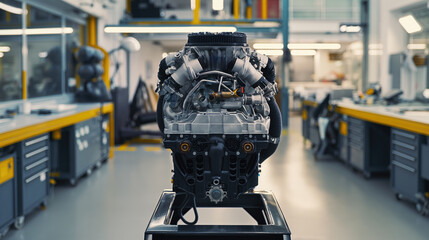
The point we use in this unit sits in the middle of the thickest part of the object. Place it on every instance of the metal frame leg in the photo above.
(261, 205)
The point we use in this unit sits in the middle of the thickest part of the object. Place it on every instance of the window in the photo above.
(10, 55)
(44, 55)
(52, 40)
(345, 10)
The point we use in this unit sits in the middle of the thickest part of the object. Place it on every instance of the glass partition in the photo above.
(344, 10)
(10, 53)
(44, 55)
(52, 40)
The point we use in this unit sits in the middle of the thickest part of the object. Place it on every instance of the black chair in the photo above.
(327, 123)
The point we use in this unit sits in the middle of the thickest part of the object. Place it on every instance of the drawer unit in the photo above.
(425, 158)
(33, 174)
(356, 141)
(35, 186)
(356, 123)
(405, 136)
(405, 180)
(404, 158)
(32, 145)
(368, 146)
(8, 192)
(78, 150)
(405, 163)
(410, 150)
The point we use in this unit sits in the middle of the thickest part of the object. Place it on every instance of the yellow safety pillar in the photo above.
(196, 19)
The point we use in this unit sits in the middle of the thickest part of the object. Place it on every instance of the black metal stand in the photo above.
(261, 205)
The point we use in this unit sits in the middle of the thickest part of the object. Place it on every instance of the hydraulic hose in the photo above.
(161, 72)
(269, 71)
(159, 116)
(275, 129)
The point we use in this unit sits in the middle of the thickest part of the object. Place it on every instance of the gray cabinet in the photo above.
(33, 174)
(307, 121)
(405, 164)
(8, 192)
(368, 146)
(356, 143)
(343, 141)
(310, 130)
(78, 151)
(425, 158)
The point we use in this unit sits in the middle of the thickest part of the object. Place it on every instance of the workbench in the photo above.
(24, 126)
(34, 138)
(400, 130)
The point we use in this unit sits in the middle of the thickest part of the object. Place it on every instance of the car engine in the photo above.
(217, 112)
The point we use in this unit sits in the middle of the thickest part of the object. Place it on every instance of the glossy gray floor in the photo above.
(320, 200)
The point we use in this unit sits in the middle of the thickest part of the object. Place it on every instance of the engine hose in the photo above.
(275, 129)
(269, 72)
(161, 72)
(159, 110)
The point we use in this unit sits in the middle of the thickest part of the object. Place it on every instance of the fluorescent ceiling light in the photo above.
(170, 29)
(217, 5)
(271, 52)
(333, 46)
(36, 31)
(416, 46)
(303, 52)
(410, 24)
(350, 28)
(4, 49)
(266, 24)
(11, 9)
(1, 54)
(268, 46)
(193, 4)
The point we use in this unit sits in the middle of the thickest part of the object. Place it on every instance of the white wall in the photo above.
(145, 63)
(324, 67)
(386, 31)
(110, 41)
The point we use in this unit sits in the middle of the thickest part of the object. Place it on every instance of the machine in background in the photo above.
(326, 122)
(90, 71)
(129, 117)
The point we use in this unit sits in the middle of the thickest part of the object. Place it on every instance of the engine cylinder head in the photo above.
(217, 39)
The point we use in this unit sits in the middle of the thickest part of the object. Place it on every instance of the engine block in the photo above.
(218, 115)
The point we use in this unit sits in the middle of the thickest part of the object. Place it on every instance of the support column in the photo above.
(284, 67)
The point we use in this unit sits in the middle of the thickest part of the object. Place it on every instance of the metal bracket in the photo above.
(261, 205)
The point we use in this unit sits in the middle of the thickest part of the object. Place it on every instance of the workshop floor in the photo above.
(320, 199)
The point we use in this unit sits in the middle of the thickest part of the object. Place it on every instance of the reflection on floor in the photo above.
(320, 200)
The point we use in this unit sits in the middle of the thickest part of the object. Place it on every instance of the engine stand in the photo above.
(261, 205)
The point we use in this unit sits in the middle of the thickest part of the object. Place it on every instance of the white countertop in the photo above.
(25, 120)
(392, 111)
